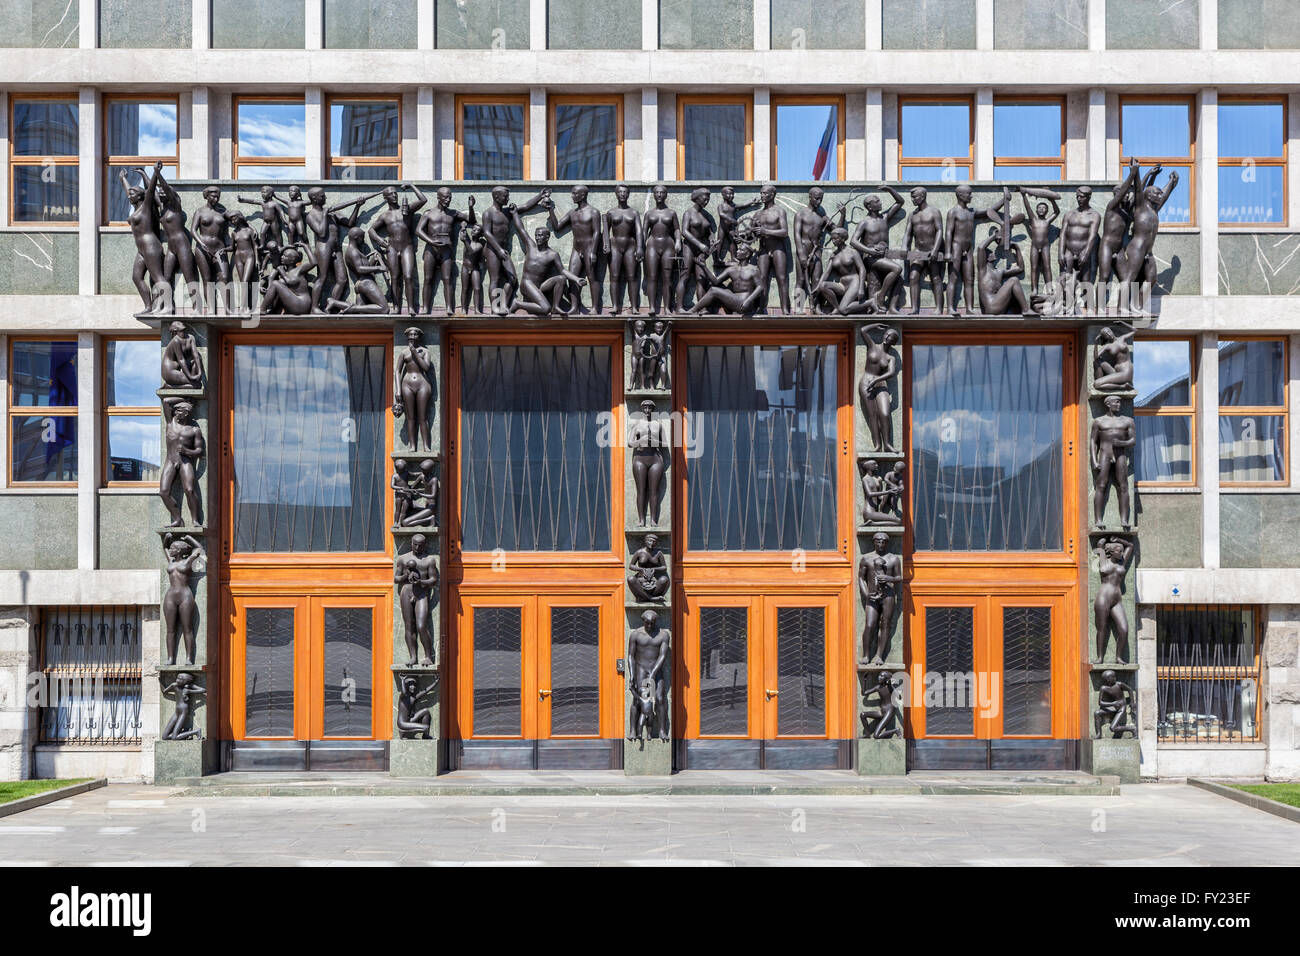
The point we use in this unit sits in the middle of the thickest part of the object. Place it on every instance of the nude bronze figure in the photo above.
(880, 722)
(184, 449)
(663, 246)
(879, 575)
(208, 224)
(1116, 707)
(180, 725)
(181, 365)
(585, 257)
(648, 571)
(1112, 361)
(543, 280)
(736, 289)
(648, 649)
(1109, 439)
(873, 389)
(624, 248)
(179, 610)
(393, 233)
(773, 232)
(811, 223)
(697, 241)
(148, 273)
(437, 228)
(871, 239)
(923, 247)
(416, 573)
(1113, 555)
(416, 401)
(651, 443)
(414, 718)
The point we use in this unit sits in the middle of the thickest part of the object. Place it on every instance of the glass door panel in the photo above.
(723, 675)
(797, 650)
(268, 671)
(949, 671)
(571, 693)
(497, 665)
(1026, 670)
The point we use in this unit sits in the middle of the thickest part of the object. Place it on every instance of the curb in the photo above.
(1274, 807)
(49, 796)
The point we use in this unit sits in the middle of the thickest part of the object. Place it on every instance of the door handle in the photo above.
(770, 693)
(542, 694)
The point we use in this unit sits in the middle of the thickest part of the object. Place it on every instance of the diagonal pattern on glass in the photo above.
(987, 447)
(348, 668)
(575, 671)
(801, 671)
(498, 664)
(1026, 671)
(950, 657)
(534, 475)
(765, 422)
(268, 672)
(724, 674)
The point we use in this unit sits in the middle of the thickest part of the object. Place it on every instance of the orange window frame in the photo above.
(15, 411)
(1282, 411)
(488, 99)
(236, 161)
(553, 102)
(1186, 165)
(1059, 159)
(110, 411)
(1273, 161)
(1177, 411)
(812, 100)
(113, 161)
(15, 160)
(343, 160)
(967, 163)
(715, 99)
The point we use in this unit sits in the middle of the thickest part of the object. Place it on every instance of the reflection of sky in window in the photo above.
(1026, 129)
(1250, 129)
(272, 129)
(1156, 129)
(134, 437)
(936, 130)
(1157, 367)
(799, 131)
(142, 129)
(133, 371)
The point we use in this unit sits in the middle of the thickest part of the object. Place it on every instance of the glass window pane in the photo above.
(309, 452)
(932, 174)
(1156, 129)
(586, 141)
(724, 671)
(1027, 173)
(764, 424)
(45, 128)
(1027, 671)
(44, 447)
(272, 129)
(342, 169)
(1164, 448)
(1252, 193)
(46, 193)
(1162, 372)
(1252, 448)
(935, 131)
(801, 671)
(364, 128)
(1208, 707)
(1178, 208)
(1207, 710)
(131, 377)
(807, 141)
(138, 128)
(493, 140)
(349, 669)
(715, 139)
(950, 653)
(1252, 372)
(575, 671)
(133, 448)
(275, 173)
(119, 207)
(534, 474)
(45, 373)
(498, 665)
(268, 672)
(986, 447)
(1026, 129)
(1252, 129)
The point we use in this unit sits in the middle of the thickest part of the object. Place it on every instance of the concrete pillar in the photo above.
(221, 119)
(984, 133)
(4, 419)
(424, 35)
(196, 140)
(855, 135)
(1096, 134)
(633, 141)
(444, 123)
(1209, 24)
(201, 24)
(1207, 187)
(762, 24)
(538, 134)
(315, 25)
(88, 439)
(4, 151)
(649, 24)
(889, 127)
(419, 135)
(90, 202)
(314, 114)
(19, 656)
(874, 24)
(537, 24)
(763, 133)
(1292, 147)
(873, 135)
(649, 171)
(88, 24)
(1207, 386)
(983, 24)
(1097, 24)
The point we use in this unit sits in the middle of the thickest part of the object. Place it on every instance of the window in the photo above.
(809, 140)
(43, 412)
(586, 137)
(492, 137)
(132, 436)
(1252, 412)
(1164, 375)
(137, 134)
(1207, 674)
(90, 664)
(44, 145)
(936, 139)
(715, 138)
(1159, 130)
(365, 137)
(1029, 139)
(1252, 161)
(270, 138)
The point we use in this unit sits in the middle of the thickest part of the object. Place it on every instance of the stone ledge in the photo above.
(1274, 807)
(49, 796)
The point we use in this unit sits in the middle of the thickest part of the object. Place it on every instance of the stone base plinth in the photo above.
(177, 759)
(881, 758)
(1107, 756)
(647, 758)
(414, 758)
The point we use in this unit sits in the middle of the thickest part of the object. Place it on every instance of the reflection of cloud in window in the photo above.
(270, 131)
(157, 136)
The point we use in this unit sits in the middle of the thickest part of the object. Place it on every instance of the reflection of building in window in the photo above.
(44, 176)
(90, 669)
(139, 134)
(365, 139)
(492, 138)
(1165, 416)
(715, 138)
(132, 446)
(587, 138)
(1207, 674)
(43, 412)
(1253, 411)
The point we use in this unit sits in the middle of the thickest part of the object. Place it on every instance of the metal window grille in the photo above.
(1208, 674)
(91, 670)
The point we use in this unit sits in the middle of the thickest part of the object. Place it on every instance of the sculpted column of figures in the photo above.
(584, 221)
(1109, 439)
(416, 393)
(650, 441)
(437, 228)
(879, 575)
(416, 574)
(873, 389)
(648, 648)
(624, 248)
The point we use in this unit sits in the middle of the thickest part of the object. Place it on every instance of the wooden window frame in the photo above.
(114, 162)
(553, 102)
(13, 411)
(1186, 165)
(251, 161)
(1058, 160)
(15, 160)
(1177, 411)
(1282, 411)
(492, 99)
(123, 411)
(1274, 161)
(968, 163)
(715, 99)
(1221, 672)
(343, 160)
(812, 100)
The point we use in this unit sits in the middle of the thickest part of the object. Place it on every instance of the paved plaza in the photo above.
(1155, 824)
